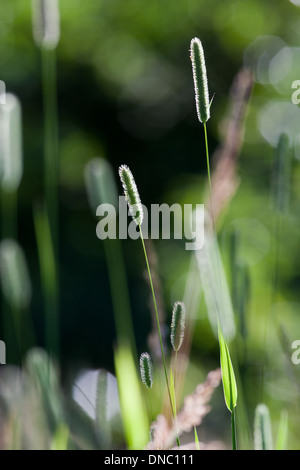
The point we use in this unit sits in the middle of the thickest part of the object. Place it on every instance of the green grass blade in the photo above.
(173, 401)
(48, 278)
(262, 429)
(61, 438)
(172, 393)
(282, 436)
(197, 445)
(134, 415)
(215, 287)
(102, 421)
(228, 377)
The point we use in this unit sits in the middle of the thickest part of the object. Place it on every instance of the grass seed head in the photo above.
(200, 80)
(14, 275)
(11, 144)
(177, 325)
(131, 194)
(146, 370)
(46, 23)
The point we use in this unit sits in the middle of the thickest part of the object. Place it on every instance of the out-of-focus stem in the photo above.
(51, 191)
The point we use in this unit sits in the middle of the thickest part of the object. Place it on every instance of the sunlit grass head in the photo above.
(177, 325)
(46, 23)
(131, 194)
(146, 370)
(200, 80)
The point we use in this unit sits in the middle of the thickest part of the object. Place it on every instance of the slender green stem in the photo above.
(233, 426)
(48, 277)
(51, 141)
(9, 203)
(119, 293)
(209, 180)
(150, 405)
(9, 230)
(158, 326)
(233, 430)
(175, 369)
(174, 400)
(157, 318)
(207, 160)
(51, 144)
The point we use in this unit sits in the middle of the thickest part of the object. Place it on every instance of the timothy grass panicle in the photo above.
(14, 275)
(46, 23)
(146, 370)
(177, 325)
(131, 194)
(11, 145)
(200, 80)
(136, 211)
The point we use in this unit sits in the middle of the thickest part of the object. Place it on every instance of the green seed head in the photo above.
(11, 145)
(14, 275)
(131, 194)
(200, 80)
(146, 370)
(46, 23)
(177, 325)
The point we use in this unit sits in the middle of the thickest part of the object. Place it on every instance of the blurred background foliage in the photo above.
(125, 93)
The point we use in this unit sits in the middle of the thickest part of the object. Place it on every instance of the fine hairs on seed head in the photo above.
(200, 80)
(131, 194)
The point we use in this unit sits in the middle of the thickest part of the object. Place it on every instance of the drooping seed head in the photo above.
(131, 194)
(200, 80)
(177, 325)
(146, 370)
(46, 23)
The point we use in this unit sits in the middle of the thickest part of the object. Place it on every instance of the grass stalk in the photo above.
(9, 211)
(157, 318)
(50, 140)
(207, 161)
(119, 293)
(48, 278)
(51, 184)
(159, 331)
(233, 430)
(150, 406)
(9, 230)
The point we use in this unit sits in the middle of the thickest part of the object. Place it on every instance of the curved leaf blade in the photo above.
(228, 377)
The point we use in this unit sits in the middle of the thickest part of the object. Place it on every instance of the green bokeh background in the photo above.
(125, 92)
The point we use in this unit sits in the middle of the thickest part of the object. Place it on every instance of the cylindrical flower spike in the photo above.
(131, 194)
(11, 146)
(14, 275)
(46, 23)
(146, 370)
(177, 325)
(200, 80)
